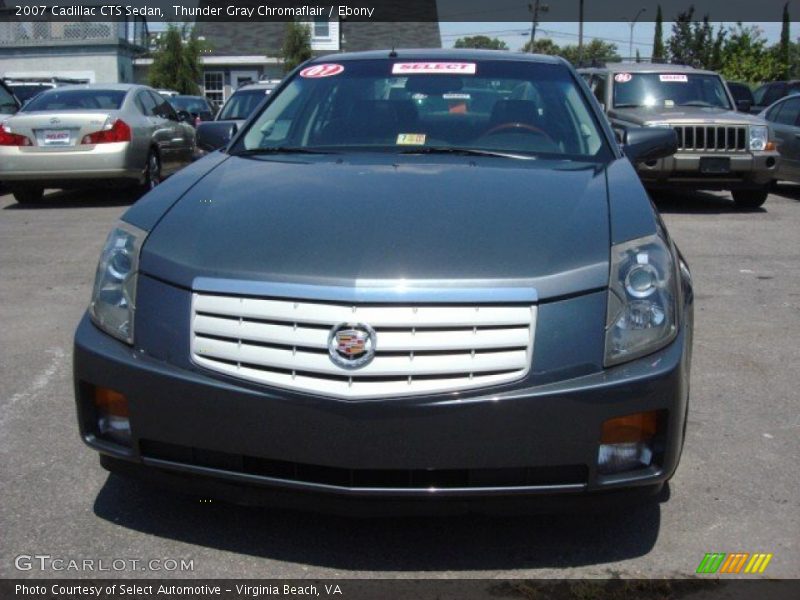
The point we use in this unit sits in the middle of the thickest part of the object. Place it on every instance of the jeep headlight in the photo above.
(641, 299)
(758, 137)
(114, 296)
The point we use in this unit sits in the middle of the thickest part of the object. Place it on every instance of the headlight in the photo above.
(641, 299)
(114, 295)
(758, 137)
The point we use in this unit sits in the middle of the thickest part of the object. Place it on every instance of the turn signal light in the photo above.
(119, 131)
(12, 139)
(639, 427)
(626, 443)
(112, 415)
(770, 146)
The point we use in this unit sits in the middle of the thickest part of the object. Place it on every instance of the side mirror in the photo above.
(215, 134)
(649, 143)
(744, 106)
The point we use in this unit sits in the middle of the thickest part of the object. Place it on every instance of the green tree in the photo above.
(296, 45)
(481, 41)
(696, 43)
(658, 38)
(784, 48)
(176, 61)
(745, 57)
(596, 50)
(542, 46)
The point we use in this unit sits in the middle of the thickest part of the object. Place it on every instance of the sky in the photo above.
(516, 34)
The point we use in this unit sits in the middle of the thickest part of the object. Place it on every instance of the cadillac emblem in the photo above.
(351, 345)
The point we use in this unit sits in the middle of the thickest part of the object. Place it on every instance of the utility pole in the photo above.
(535, 9)
(580, 31)
(633, 24)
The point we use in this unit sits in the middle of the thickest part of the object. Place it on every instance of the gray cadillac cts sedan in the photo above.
(419, 276)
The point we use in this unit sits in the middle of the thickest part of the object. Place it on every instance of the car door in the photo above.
(167, 135)
(159, 130)
(784, 121)
(182, 137)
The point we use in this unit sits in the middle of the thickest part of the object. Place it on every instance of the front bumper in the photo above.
(747, 170)
(527, 440)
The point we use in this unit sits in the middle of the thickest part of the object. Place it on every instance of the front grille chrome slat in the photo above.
(419, 349)
(711, 138)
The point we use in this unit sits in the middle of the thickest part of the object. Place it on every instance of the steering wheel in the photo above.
(519, 127)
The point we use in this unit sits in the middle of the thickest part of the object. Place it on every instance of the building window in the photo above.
(324, 34)
(214, 87)
(322, 29)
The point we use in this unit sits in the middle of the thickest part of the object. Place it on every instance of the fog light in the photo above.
(112, 415)
(626, 443)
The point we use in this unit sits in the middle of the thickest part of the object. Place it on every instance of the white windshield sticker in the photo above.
(673, 78)
(410, 139)
(623, 77)
(425, 68)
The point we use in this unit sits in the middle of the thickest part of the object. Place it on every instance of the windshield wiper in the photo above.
(463, 152)
(278, 150)
(628, 105)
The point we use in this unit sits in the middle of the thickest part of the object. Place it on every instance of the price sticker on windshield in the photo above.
(673, 78)
(623, 77)
(427, 68)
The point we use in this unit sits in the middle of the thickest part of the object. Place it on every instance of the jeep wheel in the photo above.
(750, 199)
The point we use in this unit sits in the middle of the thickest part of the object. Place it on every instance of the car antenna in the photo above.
(393, 52)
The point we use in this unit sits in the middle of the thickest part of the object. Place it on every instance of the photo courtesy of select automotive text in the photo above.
(399, 299)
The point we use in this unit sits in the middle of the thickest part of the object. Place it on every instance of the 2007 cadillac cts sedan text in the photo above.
(411, 275)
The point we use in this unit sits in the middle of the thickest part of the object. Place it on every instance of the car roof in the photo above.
(189, 96)
(440, 54)
(122, 87)
(645, 68)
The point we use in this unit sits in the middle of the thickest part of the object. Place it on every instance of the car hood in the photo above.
(685, 114)
(372, 220)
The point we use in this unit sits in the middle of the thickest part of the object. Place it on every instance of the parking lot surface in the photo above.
(737, 488)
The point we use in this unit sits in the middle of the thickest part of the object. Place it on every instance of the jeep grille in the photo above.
(718, 138)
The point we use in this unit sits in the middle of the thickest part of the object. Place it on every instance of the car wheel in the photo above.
(27, 195)
(152, 174)
(749, 199)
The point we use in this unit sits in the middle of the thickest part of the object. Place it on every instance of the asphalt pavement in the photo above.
(737, 488)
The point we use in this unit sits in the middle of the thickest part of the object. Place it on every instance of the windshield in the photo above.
(242, 104)
(665, 90)
(88, 99)
(514, 107)
(189, 104)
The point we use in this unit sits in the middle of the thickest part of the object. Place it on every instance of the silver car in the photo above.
(91, 134)
(783, 117)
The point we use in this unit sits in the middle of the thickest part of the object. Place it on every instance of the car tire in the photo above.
(27, 195)
(750, 199)
(152, 171)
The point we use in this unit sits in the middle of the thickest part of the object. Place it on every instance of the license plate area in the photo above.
(715, 164)
(56, 137)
